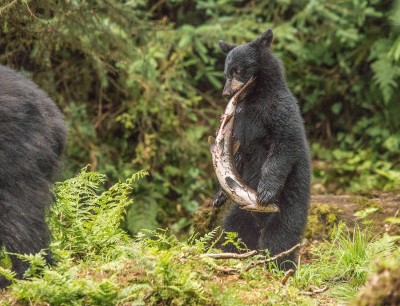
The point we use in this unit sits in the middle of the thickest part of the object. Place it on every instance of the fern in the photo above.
(394, 52)
(88, 223)
(386, 76)
(160, 238)
(232, 238)
(208, 241)
(7, 273)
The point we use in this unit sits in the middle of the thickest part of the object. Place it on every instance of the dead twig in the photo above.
(277, 256)
(227, 270)
(230, 255)
(316, 291)
(3, 8)
(288, 274)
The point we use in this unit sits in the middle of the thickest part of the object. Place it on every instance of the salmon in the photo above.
(222, 153)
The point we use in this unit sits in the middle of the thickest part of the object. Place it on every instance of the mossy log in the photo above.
(374, 209)
(325, 211)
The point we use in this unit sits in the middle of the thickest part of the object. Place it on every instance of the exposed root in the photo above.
(230, 255)
(227, 270)
(277, 256)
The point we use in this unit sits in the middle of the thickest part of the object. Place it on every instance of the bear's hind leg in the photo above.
(24, 233)
(243, 223)
(276, 240)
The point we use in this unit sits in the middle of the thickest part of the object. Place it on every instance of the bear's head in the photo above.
(243, 61)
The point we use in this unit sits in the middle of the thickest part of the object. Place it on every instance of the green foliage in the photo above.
(7, 273)
(365, 213)
(139, 83)
(367, 169)
(208, 241)
(83, 218)
(345, 261)
(232, 238)
(172, 282)
(99, 264)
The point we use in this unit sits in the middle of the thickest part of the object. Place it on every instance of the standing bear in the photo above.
(32, 139)
(273, 157)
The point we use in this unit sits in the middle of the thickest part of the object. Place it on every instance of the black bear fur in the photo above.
(273, 156)
(32, 140)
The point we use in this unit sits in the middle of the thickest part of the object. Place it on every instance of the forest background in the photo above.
(140, 85)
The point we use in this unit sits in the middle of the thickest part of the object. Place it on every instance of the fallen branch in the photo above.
(288, 274)
(227, 270)
(316, 291)
(277, 256)
(230, 255)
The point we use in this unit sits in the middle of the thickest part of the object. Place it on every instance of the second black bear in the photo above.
(273, 156)
(32, 139)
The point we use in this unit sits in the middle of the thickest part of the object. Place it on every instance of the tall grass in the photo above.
(344, 261)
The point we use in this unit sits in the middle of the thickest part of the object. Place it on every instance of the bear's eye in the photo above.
(237, 72)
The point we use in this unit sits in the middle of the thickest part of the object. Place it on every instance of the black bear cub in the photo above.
(273, 156)
(32, 139)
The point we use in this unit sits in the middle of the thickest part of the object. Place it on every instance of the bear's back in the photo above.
(32, 129)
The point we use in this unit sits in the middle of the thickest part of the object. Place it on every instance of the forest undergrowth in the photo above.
(98, 263)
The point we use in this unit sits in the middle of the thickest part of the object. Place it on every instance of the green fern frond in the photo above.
(235, 240)
(386, 76)
(208, 241)
(7, 273)
(394, 52)
(137, 176)
(86, 222)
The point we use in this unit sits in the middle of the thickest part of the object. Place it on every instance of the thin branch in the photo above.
(29, 9)
(230, 255)
(316, 291)
(156, 6)
(3, 8)
(288, 274)
(227, 270)
(277, 256)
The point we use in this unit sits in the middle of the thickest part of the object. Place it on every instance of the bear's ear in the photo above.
(225, 47)
(265, 39)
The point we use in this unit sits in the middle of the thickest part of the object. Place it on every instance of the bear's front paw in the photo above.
(264, 197)
(219, 199)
